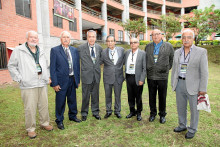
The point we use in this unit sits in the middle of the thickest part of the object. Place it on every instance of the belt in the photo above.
(130, 75)
(182, 78)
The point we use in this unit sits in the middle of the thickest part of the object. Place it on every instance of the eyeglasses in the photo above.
(186, 37)
(110, 41)
(156, 34)
(133, 42)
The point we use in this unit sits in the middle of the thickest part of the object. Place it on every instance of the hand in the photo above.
(78, 85)
(57, 88)
(201, 93)
(141, 83)
(50, 81)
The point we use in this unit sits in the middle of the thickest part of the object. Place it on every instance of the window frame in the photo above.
(120, 35)
(57, 17)
(4, 58)
(110, 30)
(23, 15)
(74, 25)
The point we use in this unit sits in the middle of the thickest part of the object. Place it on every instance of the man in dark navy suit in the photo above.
(65, 76)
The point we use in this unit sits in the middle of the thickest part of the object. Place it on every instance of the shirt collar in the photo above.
(65, 47)
(91, 46)
(159, 44)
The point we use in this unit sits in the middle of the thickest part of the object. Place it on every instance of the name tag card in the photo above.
(155, 58)
(112, 60)
(39, 69)
(183, 68)
(131, 67)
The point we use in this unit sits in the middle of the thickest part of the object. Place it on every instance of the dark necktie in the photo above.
(92, 53)
(69, 60)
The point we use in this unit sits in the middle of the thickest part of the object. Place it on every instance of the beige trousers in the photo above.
(34, 98)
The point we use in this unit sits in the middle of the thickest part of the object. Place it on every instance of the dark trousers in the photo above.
(134, 94)
(161, 87)
(70, 93)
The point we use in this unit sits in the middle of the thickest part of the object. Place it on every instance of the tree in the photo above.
(170, 25)
(203, 22)
(134, 27)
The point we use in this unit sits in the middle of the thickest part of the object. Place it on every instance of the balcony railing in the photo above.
(113, 19)
(91, 12)
(135, 7)
(154, 12)
(175, 1)
(118, 1)
(177, 15)
(151, 27)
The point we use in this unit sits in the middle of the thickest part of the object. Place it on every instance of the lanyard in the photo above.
(112, 54)
(132, 56)
(35, 55)
(186, 56)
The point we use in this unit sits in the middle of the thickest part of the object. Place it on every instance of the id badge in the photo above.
(39, 69)
(131, 67)
(112, 60)
(93, 60)
(155, 58)
(183, 68)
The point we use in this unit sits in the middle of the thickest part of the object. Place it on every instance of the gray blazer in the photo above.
(88, 69)
(140, 66)
(197, 70)
(113, 72)
(159, 70)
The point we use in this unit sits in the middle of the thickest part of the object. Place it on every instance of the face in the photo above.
(134, 43)
(32, 39)
(111, 42)
(91, 38)
(187, 39)
(156, 36)
(65, 39)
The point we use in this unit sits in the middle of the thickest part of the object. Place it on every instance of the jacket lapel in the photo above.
(63, 53)
(73, 55)
(192, 55)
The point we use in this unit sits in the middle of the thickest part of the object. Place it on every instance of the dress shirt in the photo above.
(90, 49)
(72, 73)
(130, 62)
(113, 54)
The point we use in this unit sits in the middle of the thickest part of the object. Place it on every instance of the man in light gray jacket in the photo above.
(189, 79)
(28, 66)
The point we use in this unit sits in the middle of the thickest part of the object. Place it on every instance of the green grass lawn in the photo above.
(112, 131)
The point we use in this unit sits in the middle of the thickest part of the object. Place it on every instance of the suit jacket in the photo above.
(160, 69)
(140, 65)
(113, 72)
(59, 66)
(88, 68)
(197, 70)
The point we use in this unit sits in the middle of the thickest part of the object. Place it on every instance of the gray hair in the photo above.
(68, 33)
(134, 38)
(91, 31)
(188, 30)
(31, 31)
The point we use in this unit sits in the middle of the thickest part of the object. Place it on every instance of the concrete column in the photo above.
(125, 16)
(182, 13)
(104, 17)
(164, 7)
(144, 5)
(79, 7)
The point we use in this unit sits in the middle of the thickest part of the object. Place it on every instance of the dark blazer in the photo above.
(113, 72)
(88, 68)
(59, 67)
(159, 70)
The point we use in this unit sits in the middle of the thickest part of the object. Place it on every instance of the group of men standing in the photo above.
(29, 67)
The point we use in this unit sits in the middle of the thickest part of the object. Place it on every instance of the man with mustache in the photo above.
(28, 66)
(189, 80)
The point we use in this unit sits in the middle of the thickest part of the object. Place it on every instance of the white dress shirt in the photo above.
(131, 61)
(113, 55)
(68, 49)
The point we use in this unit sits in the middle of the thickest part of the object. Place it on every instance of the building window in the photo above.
(23, 7)
(3, 55)
(141, 36)
(57, 21)
(112, 32)
(120, 35)
(133, 35)
(73, 25)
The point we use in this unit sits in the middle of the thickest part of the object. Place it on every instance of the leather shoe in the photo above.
(48, 128)
(32, 135)
(60, 126)
(76, 120)
(189, 135)
(178, 129)
(130, 115)
(97, 117)
(84, 118)
(107, 115)
(139, 118)
(162, 119)
(118, 115)
(151, 118)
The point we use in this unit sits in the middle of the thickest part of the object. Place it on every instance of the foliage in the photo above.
(203, 22)
(144, 42)
(134, 27)
(175, 43)
(169, 24)
(209, 42)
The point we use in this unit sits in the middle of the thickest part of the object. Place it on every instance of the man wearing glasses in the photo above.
(135, 68)
(159, 57)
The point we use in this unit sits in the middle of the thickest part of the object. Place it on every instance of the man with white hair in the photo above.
(65, 76)
(189, 79)
(28, 66)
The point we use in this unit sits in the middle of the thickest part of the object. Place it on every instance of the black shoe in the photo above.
(189, 135)
(139, 118)
(84, 118)
(60, 126)
(76, 120)
(97, 117)
(178, 129)
(107, 115)
(162, 119)
(130, 115)
(151, 118)
(118, 115)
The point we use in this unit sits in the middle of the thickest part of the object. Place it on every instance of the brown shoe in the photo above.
(32, 135)
(48, 128)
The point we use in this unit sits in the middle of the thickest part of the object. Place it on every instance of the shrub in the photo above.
(216, 42)
(144, 42)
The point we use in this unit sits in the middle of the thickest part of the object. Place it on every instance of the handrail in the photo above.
(154, 12)
(91, 12)
(135, 7)
(113, 19)
(175, 1)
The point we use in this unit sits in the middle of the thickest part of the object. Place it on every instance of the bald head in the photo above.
(32, 38)
(156, 36)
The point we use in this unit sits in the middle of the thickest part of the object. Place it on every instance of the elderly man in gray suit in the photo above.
(90, 55)
(189, 79)
(135, 68)
(113, 77)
